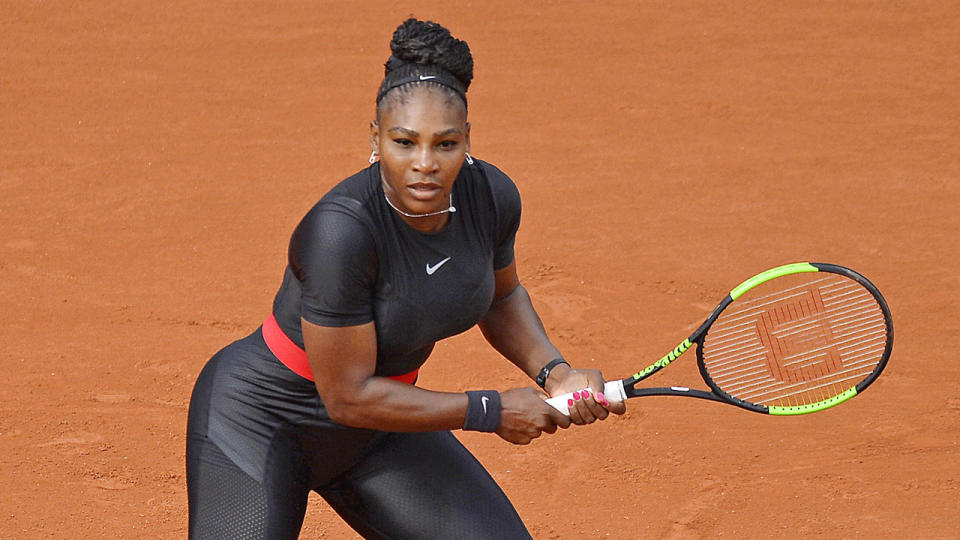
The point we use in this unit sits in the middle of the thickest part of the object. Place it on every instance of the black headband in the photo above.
(418, 75)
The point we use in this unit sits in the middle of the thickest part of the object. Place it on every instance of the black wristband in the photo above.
(483, 411)
(545, 372)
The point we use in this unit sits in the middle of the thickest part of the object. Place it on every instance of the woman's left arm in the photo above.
(514, 329)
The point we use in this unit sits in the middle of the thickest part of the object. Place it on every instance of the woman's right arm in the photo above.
(343, 360)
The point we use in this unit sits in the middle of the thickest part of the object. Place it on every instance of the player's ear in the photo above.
(374, 136)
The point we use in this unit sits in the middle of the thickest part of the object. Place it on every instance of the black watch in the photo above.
(545, 372)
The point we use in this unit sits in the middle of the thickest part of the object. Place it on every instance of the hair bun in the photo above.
(428, 43)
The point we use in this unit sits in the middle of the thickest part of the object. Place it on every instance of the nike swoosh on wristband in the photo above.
(432, 269)
(483, 401)
(427, 77)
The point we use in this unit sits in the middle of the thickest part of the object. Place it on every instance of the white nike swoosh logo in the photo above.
(426, 77)
(432, 269)
(483, 401)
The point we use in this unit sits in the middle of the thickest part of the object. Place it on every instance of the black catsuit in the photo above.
(258, 436)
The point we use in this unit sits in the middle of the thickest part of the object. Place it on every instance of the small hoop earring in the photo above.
(373, 157)
(469, 159)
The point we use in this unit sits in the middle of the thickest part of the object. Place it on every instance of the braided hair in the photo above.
(425, 54)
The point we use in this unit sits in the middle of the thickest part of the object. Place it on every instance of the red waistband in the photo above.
(295, 358)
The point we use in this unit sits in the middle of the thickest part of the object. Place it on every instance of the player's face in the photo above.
(422, 141)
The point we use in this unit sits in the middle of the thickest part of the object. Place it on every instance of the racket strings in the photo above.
(796, 340)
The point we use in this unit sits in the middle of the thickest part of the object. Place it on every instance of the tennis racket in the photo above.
(796, 339)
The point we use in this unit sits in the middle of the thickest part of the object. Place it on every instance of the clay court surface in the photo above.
(154, 161)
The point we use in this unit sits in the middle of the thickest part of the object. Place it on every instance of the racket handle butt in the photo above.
(612, 390)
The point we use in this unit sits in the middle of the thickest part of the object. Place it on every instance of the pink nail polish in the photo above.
(584, 394)
(576, 396)
(569, 403)
(601, 398)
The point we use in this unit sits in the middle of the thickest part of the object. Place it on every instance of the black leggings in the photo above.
(412, 485)
(385, 485)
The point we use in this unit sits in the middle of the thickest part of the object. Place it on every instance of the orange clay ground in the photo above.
(154, 161)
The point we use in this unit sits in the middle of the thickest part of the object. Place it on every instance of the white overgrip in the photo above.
(612, 390)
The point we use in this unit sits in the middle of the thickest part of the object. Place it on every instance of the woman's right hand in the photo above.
(524, 416)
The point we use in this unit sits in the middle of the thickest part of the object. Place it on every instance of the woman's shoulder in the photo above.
(503, 189)
(351, 196)
(346, 208)
(500, 184)
(489, 171)
(354, 193)
(334, 243)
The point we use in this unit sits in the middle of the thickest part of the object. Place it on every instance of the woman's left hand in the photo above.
(589, 403)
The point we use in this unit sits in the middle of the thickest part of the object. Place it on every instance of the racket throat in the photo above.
(663, 362)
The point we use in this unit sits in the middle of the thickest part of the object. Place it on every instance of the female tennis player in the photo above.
(415, 248)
